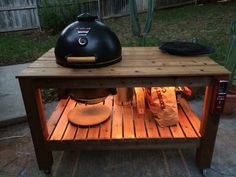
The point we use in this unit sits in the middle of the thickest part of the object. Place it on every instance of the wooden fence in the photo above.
(23, 14)
(18, 15)
(116, 8)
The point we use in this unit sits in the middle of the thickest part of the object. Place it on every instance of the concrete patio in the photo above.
(17, 158)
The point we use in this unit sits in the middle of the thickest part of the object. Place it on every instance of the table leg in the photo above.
(37, 123)
(208, 130)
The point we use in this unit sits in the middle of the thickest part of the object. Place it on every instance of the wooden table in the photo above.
(140, 66)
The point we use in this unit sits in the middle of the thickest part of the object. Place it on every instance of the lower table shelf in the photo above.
(125, 127)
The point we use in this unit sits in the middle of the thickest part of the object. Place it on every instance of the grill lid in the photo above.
(87, 43)
(186, 48)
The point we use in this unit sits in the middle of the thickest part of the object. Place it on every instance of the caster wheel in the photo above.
(204, 172)
(47, 172)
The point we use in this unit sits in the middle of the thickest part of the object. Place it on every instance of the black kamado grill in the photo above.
(87, 43)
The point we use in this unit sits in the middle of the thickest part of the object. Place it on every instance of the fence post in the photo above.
(37, 15)
(99, 11)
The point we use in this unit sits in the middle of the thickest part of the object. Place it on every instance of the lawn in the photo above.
(209, 23)
(21, 47)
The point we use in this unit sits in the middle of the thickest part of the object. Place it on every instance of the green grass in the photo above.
(21, 47)
(209, 23)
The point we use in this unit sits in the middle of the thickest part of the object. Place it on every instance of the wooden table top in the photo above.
(136, 62)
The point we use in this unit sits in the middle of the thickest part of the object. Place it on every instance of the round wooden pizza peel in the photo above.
(89, 115)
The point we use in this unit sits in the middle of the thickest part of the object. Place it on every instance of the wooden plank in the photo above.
(186, 126)
(168, 71)
(128, 122)
(124, 145)
(49, 54)
(46, 58)
(52, 121)
(177, 131)
(145, 62)
(71, 129)
(105, 129)
(107, 82)
(127, 62)
(140, 127)
(18, 8)
(139, 49)
(81, 133)
(117, 122)
(93, 132)
(18, 15)
(151, 125)
(70, 132)
(192, 117)
(62, 124)
(165, 132)
(164, 56)
(148, 58)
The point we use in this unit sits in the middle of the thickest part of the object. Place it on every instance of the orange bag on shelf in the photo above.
(163, 105)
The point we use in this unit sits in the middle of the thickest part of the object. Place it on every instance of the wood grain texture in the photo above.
(128, 61)
(105, 128)
(37, 123)
(128, 124)
(165, 132)
(117, 122)
(141, 66)
(208, 129)
(152, 130)
(125, 124)
(186, 126)
(62, 124)
(18, 15)
(56, 115)
(177, 131)
(140, 125)
(107, 82)
(136, 62)
(195, 122)
(93, 131)
(81, 133)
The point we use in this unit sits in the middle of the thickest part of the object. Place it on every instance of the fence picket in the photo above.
(23, 14)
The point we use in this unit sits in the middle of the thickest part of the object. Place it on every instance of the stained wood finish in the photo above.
(208, 128)
(189, 113)
(117, 82)
(137, 62)
(125, 124)
(145, 62)
(105, 128)
(37, 122)
(117, 122)
(152, 131)
(141, 66)
(56, 115)
(63, 123)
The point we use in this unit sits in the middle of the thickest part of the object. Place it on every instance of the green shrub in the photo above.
(55, 15)
(230, 62)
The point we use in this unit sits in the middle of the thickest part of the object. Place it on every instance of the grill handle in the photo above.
(89, 59)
